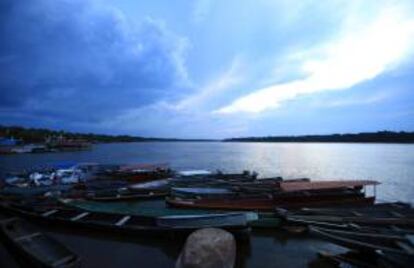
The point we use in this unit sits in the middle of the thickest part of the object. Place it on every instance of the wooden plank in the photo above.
(62, 261)
(50, 212)
(8, 220)
(123, 221)
(26, 236)
(395, 228)
(406, 247)
(410, 238)
(355, 226)
(355, 213)
(80, 216)
(396, 214)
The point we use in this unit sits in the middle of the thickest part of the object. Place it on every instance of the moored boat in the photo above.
(38, 249)
(130, 224)
(289, 195)
(370, 242)
(265, 220)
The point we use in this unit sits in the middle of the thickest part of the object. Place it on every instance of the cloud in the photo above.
(351, 101)
(218, 86)
(82, 61)
(362, 51)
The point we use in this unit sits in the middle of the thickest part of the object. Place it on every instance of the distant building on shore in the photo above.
(63, 143)
(7, 144)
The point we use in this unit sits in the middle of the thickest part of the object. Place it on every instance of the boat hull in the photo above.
(269, 204)
(34, 248)
(108, 222)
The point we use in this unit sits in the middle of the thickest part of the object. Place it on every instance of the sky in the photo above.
(207, 69)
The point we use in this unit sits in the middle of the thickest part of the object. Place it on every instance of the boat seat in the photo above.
(395, 228)
(123, 220)
(61, 261)
(24, 237)
(355, 226)
(50, 212)
(8, 220)
(80, 216)
(406, 247)
(396, 214)
(410, 238)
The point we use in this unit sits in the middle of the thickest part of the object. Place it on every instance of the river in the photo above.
(390, 164)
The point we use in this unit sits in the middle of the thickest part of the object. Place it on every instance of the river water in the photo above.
(390, 164)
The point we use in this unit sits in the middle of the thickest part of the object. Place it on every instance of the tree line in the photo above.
(367, 137)
(39, 135)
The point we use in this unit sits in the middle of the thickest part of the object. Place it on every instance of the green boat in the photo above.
(157, 208)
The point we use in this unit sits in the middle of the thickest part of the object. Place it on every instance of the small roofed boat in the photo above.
(37, 249)
(128, 224)
(369, 242)
(290, 195)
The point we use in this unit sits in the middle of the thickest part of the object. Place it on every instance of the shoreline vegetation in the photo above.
(38, 135)
(367, 137)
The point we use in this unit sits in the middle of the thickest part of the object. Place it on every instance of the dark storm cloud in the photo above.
(73, 60)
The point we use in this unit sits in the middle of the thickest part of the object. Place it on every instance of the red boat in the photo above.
(290, 195)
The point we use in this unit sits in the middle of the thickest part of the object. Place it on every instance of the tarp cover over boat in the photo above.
(195, 172)
(322, 185)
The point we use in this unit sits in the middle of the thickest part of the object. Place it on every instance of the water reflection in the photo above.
(391, 164)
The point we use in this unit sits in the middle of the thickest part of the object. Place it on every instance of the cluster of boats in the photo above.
(383, 232)
(85, 195)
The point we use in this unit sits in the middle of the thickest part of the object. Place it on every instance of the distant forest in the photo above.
(38, 135)
(369, 137)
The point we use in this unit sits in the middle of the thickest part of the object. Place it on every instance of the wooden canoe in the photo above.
(385, 229)
(381, 210)
(130, 224)
(362, 220)
(38, 249)
(370, 242)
